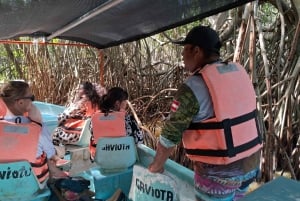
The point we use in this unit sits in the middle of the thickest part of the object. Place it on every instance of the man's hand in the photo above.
(162, 154)
(156, 167)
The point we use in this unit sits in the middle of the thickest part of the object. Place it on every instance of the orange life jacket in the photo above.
(106, 125)
(75, 125)
(19, 141)
(232, 134)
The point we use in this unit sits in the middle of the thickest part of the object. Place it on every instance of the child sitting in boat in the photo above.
(116, 101)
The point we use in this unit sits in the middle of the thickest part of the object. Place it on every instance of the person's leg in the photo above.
(214, 188)
(240, 193)
(247, 180)
(54, 171)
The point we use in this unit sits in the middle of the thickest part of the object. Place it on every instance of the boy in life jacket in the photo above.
(16, 99)
(214, 115)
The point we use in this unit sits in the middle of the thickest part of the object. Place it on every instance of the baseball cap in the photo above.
(204, 37)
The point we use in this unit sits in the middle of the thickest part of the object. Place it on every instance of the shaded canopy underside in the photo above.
(102, 23)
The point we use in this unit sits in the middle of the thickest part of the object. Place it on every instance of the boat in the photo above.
(95, 24)
(104, 184)
(176, 178)
(100, 24)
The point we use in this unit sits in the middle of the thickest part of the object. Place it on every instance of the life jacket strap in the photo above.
(44, 173)
(226, 124)
(45, 170)
(37, 165)
(38, 123)
(224, 153)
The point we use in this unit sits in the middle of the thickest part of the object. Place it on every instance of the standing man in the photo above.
(214, 114)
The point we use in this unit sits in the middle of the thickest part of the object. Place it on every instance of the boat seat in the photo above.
(84, 139)
(115, 154)
(115, 158)
(79, 154)
(18, 182)
(149, 186)
(115, 151)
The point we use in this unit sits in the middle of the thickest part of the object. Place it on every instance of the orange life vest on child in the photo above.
(106, 125)
(19, 141)
(40, 168)
(75, 125)
(233, 133)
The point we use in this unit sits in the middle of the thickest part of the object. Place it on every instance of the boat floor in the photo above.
(104, 184)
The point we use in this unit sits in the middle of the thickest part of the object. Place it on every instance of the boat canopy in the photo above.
(102, 23)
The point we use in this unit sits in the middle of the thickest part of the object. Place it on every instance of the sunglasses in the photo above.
(32, 98)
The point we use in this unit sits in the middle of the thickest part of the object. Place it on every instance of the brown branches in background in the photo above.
(263, 36)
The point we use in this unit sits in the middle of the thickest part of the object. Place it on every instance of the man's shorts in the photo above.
(211, 188)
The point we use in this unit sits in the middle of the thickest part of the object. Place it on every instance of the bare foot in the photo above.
(55, 172)
(61, 162)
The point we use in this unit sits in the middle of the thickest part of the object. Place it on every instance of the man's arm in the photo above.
(184, 107)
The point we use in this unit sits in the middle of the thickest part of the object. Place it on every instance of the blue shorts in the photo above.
(211, 188)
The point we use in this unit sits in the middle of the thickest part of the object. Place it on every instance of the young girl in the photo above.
(116, 100)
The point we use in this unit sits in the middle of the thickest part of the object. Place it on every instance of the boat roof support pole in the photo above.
(101, 65)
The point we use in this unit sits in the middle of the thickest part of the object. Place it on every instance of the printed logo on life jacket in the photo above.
(156, 193)
(107, 118)
(16, 129)
(174, 106)
(227, 68)
(10, 173)
(115, 147)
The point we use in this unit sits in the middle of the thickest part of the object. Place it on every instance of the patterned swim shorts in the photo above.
(211, 188)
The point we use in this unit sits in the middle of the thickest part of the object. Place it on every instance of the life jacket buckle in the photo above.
(227, 123)
(18, 120)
